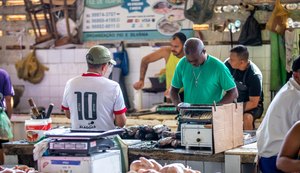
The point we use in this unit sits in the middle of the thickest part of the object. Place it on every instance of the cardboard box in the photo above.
(105, 162)
(228, 127)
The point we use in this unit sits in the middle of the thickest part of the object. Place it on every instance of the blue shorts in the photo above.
(268, 165)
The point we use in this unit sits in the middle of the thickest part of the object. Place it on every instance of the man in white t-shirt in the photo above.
(282, 114)
(91, 100)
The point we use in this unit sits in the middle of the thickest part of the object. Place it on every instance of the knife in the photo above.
(34, 109)
(49, 111)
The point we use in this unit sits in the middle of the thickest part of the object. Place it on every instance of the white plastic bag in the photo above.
(61, 26)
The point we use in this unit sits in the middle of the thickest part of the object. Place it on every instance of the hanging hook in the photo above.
(119, 47)
(122, 44)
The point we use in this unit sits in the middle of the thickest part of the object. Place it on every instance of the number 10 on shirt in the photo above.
(84, 101)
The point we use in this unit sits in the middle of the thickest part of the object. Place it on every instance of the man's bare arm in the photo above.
(67, 113)
(252, 103)
(9, 105)
(287, 157)
(229, 96)
(174, 94)
(120, 120)
(163, 52)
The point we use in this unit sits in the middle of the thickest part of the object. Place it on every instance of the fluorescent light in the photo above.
(40, 16)
(43, 31)
(200, 27)
(19, 2)
(16, 17)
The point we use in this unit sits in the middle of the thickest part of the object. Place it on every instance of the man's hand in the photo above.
(138, 85)
(67, 113)
(167, 93)
(174, 94)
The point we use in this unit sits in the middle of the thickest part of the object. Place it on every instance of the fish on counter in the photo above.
(18, 169)
(145, 132)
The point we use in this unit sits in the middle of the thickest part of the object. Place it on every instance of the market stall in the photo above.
(243, 155)
(151, 148)
(55, 36)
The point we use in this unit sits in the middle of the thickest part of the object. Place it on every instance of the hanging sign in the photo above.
(134, 19)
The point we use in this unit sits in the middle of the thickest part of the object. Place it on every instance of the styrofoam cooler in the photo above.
(35, 129)
(105, 162)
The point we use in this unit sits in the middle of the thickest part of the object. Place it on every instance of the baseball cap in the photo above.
(99, 55)
(296, 64)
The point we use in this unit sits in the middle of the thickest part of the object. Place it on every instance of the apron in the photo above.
(242, 87)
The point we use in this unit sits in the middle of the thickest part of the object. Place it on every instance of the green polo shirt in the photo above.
(213, 79)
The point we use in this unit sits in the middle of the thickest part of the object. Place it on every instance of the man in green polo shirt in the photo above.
(205, 79)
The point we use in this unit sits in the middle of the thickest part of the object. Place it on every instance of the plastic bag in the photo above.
(122, 62)
(251, 33)
(121, 57)
(5, 126)
(200, 11)
(62, 28)
(277, 21)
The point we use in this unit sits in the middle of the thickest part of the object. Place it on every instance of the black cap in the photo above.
(296, 64)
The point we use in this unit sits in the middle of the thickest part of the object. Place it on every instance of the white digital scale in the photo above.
(81, 151)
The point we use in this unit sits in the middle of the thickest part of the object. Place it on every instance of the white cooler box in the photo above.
(106, 162)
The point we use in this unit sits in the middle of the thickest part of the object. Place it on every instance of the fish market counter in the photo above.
(229, 161)
(147, 149)
(23, 150)
(222, 162)
(18, 122)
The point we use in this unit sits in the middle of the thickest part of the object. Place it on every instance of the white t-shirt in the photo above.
(282, 114)
(93, 101)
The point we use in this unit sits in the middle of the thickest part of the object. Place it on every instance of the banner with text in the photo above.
(134, 19)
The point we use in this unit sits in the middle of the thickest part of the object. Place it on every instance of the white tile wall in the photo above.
(62, 66)
(66, 63)
(43, 55)
(135, 57)
(54, 56)
(67, 55)
(79, 55)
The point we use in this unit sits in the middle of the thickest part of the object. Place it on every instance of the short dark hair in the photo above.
(193, 45)
(181, 36)
(241, 51)
(296, 64)
(94, 66)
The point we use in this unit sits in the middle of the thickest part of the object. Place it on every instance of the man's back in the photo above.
(282, 113)
(92, 100)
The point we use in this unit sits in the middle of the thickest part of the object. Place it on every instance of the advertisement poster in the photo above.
(134, 19)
